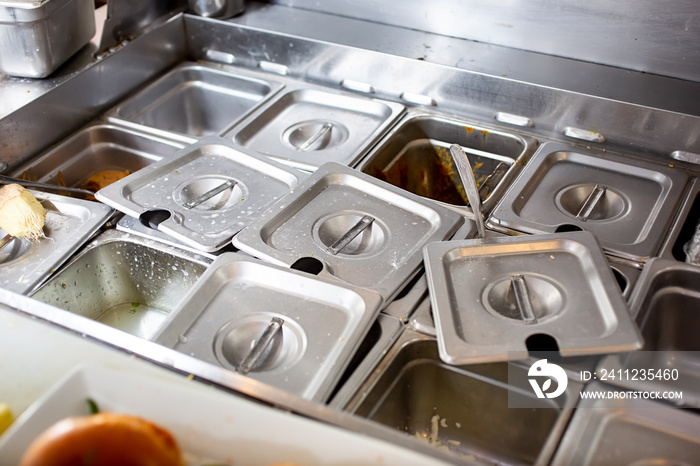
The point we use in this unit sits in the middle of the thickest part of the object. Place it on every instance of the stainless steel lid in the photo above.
(282, 327)
(70, 222)
(204, 194)
(308, 126)
(627, 204)
(490, 296)
(358, 229)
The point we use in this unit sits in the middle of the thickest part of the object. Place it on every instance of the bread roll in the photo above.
(104, 439)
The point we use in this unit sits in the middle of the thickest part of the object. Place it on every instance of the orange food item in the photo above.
(104, 178)
(104, 439)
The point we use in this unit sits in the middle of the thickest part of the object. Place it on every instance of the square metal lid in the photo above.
(173, 188)
(360, 230)
(489, 296)
(627, 204)
(319, 323)
(307, 126)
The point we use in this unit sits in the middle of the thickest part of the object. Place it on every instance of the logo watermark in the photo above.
(548, 380)
(550, 372)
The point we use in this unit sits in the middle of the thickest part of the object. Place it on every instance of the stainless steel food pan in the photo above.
(630, 432)
(192, 101)
(36, 37)
(125, 282)
(94, 149)
(415, 156)
(666, 303)
(462, 408)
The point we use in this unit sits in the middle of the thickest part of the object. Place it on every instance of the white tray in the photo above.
(209, 425)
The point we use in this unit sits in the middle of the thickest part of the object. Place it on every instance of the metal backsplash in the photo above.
(654, 37)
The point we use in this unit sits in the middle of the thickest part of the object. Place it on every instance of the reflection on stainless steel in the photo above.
(221, 9)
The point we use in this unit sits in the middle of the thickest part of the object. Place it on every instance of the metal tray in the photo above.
(631, 432)
(464, 409)
(94, 149)
(415, 156)
(666, 304)
(308, 126)
(490, 296)
(39, 36)
(159, 194)
(124, 281)
(70, 222)
(316, 221)
(224, 318)
(193, 101)
(627, 204)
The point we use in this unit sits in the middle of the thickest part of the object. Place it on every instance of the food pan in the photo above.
(415, 156)
(356, 228)
(123, 281)
(69, 223)
(193, 101)
(666, 304)
(627, 204)
(498, 296)
(204, 194)
(36, 37)
(308, 126)
(631, 432)
(95, 149)
(282, 327)
(461, 408)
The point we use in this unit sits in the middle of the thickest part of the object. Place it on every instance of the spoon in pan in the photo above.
(466, 175)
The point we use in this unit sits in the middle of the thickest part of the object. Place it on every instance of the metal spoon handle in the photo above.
(467, 176)
(45, 186)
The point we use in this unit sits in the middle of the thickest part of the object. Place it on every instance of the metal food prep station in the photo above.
(296, 266)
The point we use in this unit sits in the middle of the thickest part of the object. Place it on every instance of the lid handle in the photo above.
(351, 234)
(318, 135)
(257, 352)
(591, 202)
(522, 298)
(209, 194)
